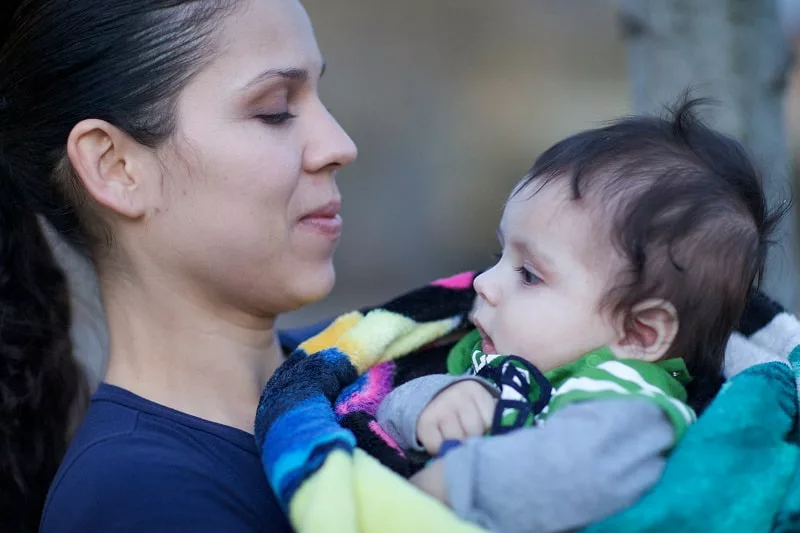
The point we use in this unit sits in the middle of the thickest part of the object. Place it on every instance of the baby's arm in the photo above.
(589, 461)
(400, 412)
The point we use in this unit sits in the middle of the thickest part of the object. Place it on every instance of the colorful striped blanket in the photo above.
(333, 468)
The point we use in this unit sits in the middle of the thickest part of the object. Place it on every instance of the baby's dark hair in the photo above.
(686, 210)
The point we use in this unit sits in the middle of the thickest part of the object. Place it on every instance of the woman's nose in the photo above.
(329, 146)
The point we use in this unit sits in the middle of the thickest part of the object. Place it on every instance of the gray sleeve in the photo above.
(587, 462)
(400, 410)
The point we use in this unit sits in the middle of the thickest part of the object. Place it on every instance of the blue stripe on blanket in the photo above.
(298, 442)
(301, 377)
(296, 427)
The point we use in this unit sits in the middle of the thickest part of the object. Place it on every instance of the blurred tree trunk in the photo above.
(736, 52)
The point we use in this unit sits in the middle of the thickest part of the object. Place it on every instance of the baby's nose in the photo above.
(485, 289)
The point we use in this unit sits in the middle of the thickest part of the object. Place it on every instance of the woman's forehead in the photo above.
(263, 36)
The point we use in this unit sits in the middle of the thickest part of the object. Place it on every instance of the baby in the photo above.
(628, 253)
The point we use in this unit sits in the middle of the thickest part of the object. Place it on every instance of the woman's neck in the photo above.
(178, 353)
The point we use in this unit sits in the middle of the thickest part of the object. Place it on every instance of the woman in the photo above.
(183, 145)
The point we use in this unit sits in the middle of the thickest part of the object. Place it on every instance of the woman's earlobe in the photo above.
(650, 332)
(105, 160)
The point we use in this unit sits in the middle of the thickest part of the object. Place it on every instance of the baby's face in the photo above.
(541, 301)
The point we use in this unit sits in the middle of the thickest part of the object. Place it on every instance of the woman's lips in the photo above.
(328, 226)
(325, 220)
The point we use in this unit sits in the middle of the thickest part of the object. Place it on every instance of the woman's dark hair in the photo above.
(63, 61)
(685, 208)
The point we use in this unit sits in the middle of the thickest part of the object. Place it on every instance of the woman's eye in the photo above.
(497, 256)
(528, 277)
(276, 119)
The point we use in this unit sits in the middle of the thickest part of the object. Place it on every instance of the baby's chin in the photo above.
(542, 366)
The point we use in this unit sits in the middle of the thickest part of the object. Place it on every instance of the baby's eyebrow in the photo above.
(541, 261)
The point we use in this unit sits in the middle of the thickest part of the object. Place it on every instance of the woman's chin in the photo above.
(314, 286)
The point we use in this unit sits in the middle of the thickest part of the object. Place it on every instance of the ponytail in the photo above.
(61, 62)
(42, 386)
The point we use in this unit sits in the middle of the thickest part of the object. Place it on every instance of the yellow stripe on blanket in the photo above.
(330, 336)
(366, 342)
(420, 336)
(324, 502)
(358, 495)
(377, 337)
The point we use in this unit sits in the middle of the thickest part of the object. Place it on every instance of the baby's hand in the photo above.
(459, 411)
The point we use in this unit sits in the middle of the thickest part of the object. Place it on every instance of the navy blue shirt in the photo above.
(137, 466)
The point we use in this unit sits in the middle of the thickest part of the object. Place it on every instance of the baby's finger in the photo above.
(471, 420)
(485, 406)
(450, 428)
(430, 438)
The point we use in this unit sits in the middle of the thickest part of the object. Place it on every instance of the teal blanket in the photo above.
(735, 471)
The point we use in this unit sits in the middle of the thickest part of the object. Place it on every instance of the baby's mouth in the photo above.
(487, 346)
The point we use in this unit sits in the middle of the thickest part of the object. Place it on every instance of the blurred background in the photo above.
(450, 101)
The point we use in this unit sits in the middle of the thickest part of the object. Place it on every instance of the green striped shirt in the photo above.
(595, 376)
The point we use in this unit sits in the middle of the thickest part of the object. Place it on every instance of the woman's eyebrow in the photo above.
(294, 74)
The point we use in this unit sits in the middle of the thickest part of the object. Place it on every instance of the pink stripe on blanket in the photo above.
(378, 430)
(376, 385)
(457, 282)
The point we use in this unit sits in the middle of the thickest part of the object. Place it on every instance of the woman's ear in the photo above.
(650, 332)
(117, 171)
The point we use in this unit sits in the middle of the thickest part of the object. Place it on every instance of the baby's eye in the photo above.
(528, 277)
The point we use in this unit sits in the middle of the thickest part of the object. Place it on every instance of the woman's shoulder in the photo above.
(138, 466)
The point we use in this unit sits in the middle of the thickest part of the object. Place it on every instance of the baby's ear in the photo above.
(650, 332)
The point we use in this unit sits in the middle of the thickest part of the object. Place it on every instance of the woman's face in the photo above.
(251, 203)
